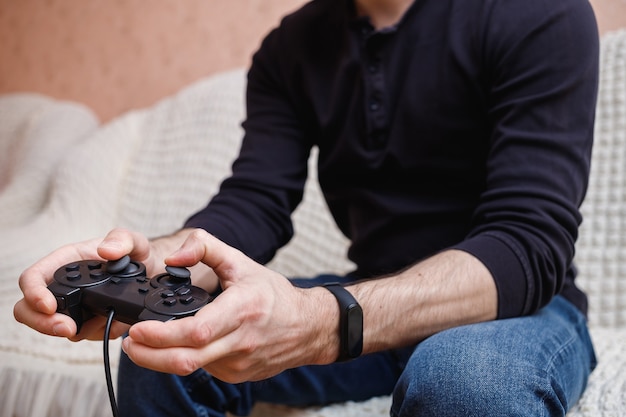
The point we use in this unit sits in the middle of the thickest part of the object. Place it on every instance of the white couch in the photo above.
(64, 177)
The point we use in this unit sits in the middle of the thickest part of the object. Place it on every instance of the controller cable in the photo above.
(107, 363)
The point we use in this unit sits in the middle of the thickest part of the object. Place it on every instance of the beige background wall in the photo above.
(114, 55)
(119, 54)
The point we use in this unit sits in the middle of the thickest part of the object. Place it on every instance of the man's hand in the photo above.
(38, 307)
(257, 327)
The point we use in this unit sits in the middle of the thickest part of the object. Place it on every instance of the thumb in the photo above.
(227, 262)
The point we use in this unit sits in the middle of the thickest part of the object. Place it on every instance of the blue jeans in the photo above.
(530, 366)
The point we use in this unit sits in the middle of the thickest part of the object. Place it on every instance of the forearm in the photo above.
(261, 324)
(449, 289)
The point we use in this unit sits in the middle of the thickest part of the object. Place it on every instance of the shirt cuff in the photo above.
(506, 266)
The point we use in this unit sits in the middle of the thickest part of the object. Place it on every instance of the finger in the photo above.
(94, 329)
(178, 360)
(118, 329)
(38, 307)
(200, 246)
(204, 328)
(37, 295)
(50, 324)
(33, 281)
(119, 242)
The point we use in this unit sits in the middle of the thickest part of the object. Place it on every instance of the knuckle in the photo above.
(201, 335)
(17, 311)
(199, 234)
(239, 371)
(248, 346)
(183, 365)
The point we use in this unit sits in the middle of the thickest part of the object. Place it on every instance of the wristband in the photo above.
(350, 323)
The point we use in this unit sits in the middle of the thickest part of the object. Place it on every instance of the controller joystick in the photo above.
(178, 272)
(124, 267)
(174, 277)
(119, 265)
(87, 288)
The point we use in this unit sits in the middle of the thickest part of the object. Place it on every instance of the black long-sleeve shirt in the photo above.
(467, 125)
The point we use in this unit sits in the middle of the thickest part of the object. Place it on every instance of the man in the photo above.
(454, 143)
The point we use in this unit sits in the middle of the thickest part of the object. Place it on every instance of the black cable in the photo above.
(107, 363)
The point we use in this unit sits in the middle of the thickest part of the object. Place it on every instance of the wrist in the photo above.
(350, 322)
(324, 333)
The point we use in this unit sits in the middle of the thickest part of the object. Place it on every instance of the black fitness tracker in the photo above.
(350, 323)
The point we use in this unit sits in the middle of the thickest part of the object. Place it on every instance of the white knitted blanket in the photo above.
(64, 178)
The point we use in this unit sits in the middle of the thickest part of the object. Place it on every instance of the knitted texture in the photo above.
(147, 170)
(65, 179)
(601, 248)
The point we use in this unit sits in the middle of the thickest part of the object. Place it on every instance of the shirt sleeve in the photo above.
(542, 59)
(252, 210)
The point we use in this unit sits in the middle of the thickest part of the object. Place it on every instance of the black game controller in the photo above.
(91, 287)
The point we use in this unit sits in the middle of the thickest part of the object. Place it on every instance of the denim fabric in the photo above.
(530, 366)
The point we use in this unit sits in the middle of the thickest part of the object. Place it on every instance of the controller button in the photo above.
(167, 294)
(73, 275)
(141, 280)
(116, 280)
(96, 274)
(94, 265)
(169, 302)
(61, 304)
(72, 267)
(143, 290)
(186, 300)
(183, 291)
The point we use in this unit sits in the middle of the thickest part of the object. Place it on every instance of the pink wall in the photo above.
(611, 14)
(115, 55)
